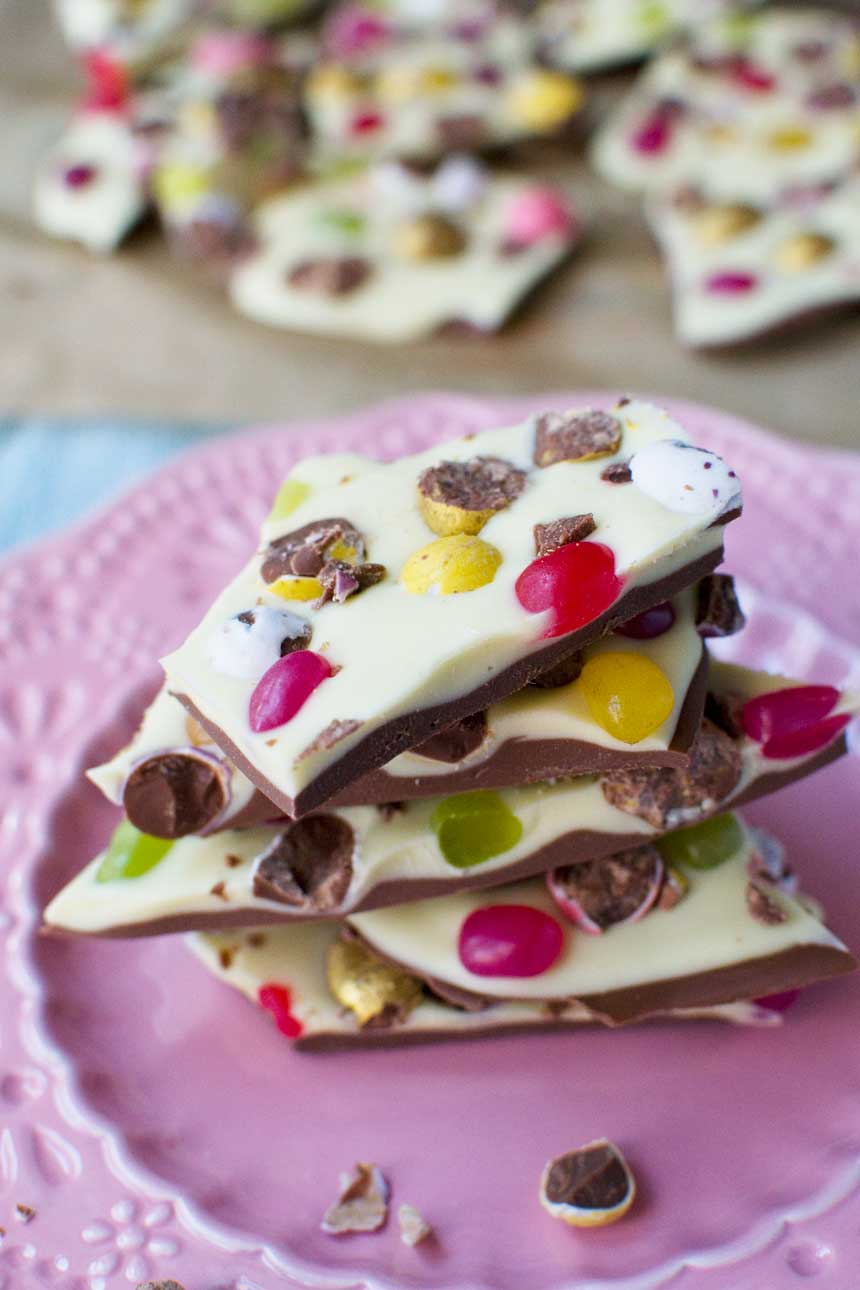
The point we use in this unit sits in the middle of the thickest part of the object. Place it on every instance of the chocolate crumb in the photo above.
(25, 1213)
(617, 472)
(575, 528)
(232, 861)
(159, 1285)
(623, 401)
(762, 905)
(256, 939)
(308, 866)
(225, 958)
(330, 275)
(718, 611)
(575, 436)
(388, 810)
(362, 1205)
(219, 890)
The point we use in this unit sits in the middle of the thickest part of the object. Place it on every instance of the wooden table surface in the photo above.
(137, 334)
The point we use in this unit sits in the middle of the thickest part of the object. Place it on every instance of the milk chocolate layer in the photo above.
(414, 728)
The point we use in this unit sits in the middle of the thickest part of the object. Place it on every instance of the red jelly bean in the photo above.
(577, 581)
(285, 687)
(750, 77)
(778, 1002)
(731, 283)
(366, 122)
(276, 1000)
(509, 940)
(654, 134)
(793, 722)
(107, 88)
(650, 623)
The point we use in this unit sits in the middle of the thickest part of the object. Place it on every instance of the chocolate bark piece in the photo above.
(331, 275)
(304, 552)
(762, 905)
(340, 580)
(172, 794)
(617, 472)
(591, 1177)
(612, 890)
(575, 528)
(575, 436)
(309, 866)
(670, 797)
(460, 496)
(457, 741)
(563, 673)
(718, 610)
(362, 1205)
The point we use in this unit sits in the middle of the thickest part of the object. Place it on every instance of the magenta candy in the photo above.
(509, 940)
(750, 77)
(354, 30)
(79, 176)
(535, 214)
(653, 135)
(650, 623)
(285, 688)
(577, 582)
(793, 722)
(731, 283)
(366, 122)
(778, 1002)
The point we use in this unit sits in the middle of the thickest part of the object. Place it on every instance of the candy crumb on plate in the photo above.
(414, 1228)
(590, 1186)
(362, 1205)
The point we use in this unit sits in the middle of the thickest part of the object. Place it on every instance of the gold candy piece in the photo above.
(717, 224)
(790, 138)
(367, 985)
(429, 237)
(802, 251)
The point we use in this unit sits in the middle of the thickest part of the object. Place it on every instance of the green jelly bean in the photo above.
(473, 827)
(703, 846)
(350, 222)
(654, 17)
(290, 497)
(131, 854)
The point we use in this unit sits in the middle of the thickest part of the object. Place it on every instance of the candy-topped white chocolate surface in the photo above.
(500, 235)
(398, 650)
(751, 106)
(737, 271)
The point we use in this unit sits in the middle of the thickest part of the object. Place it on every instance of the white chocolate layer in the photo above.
(400, 652)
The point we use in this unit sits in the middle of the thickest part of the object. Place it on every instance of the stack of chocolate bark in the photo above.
(449, 755)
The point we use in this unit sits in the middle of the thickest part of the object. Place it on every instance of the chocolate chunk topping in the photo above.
(339, 580)
(482, 484)
(305, 551)
(173, 794)
(575, 436)
(669, 797)
(592, 1178)
(562, 673)
(333, 733)
(309, 865)
(455, 742)
(612, 889)
(617, 472)
(461, 131)
(575, 528)
(159, 1285)
(718, 611)
(331, 275)
(762, 906)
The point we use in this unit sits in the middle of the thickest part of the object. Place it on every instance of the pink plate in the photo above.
(158, 1125)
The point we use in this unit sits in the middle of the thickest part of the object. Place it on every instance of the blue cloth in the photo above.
(52, 470)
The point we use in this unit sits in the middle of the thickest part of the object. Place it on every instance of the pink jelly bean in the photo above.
(354, 30)
(366, 122)
(537, 213)
(509, 940)
(79, 176)
(276, 1000)
(223, 53)
(749, 77)
(650, 623)
(731, 283)
(793, 722)
(577, 582)
(107, 83)
(654, 134)
(285, 688)
(778, 1002)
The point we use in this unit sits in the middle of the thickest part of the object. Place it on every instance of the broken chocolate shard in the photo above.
(460, 496)
(726, 711)
(617, 472)
(309, 865)
(340, 580)
(575, 528)
(619, 888)
(565, 672)
(173, 794)
(334, 732)
(331, 275)
(669, 797)
(762, 905)
(718, 610)
(455, 742)
(575, 436)
(305, 551)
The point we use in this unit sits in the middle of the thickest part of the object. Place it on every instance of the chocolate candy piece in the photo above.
(309, 866)
(429, 237)
(718, 610)
(762, 905)
(173, 794)
(455, 742)
(376, 992)
(362, 1205)
(460, 496)
(618, 889)
(617, 472)
(331, 275)
(339, 580)
(306, 550)
(588, 1187)
(575, 436)
(668, 797)
(575, 528)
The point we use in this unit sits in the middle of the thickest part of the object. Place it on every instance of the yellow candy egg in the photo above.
(367, 985)
(333, 82)
(178, 185)
(435, 80)
(544, 100)
(297, 588)
(627, 694)
(802, 251)
(717, 224)
(789, 138)
(450, 565)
